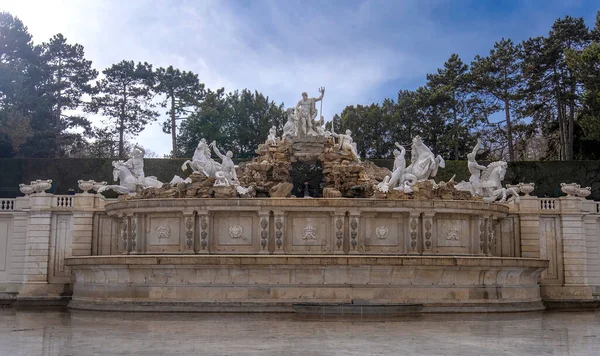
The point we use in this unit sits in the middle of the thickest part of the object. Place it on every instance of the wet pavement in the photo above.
(62, 332)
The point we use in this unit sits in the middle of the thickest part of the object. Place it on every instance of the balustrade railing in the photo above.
(549, 204)
(7, 204)
(64, 201)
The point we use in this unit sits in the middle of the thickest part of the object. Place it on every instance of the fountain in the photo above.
(232, 238)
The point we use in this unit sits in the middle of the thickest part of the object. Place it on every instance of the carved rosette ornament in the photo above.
(278, 232)
(382, 232)
(353, 233)
(309, 232)
(339, 234)
(124, 233)
(203, 232)
(264, 234)
(491, 235)
(413, 233)
(163, 232)
(189, 234)
(235, 231)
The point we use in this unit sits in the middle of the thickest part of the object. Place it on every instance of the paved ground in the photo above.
(53, 332)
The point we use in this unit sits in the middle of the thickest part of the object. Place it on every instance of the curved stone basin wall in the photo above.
(275, 283)
(308, 226)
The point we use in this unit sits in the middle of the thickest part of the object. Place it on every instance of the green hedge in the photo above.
(65, 172)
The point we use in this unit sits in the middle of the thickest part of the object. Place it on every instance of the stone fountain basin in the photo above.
(271, 283)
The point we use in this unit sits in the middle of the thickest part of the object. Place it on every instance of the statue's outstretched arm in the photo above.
(217, 152)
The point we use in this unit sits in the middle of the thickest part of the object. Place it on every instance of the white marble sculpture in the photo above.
(272, 138)
(202, 161)
(423, 165)
(130, 175)
(289, 129)
(226, 176)
(347, 145)
(486, 182)
(306, 112)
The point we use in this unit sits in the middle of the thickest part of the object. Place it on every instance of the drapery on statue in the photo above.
(289, 129)
(130, 175)
(272, 138)
(201, 161)
(306, 110)
(475, 169)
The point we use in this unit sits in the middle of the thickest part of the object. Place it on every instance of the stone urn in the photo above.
(26, 189)
(584, 192)
(516, 187)
(86, 185)
(98, 185)
(41, 185)
(526, 188)
(571, 189)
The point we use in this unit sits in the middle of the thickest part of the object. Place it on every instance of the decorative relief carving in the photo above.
(353, 232)
(339, 234)
(203, 232)
(481, 235)
(491, 234)
(124, 233)
(133, 234)
(235, 231)
(189, 224)
(309, 232)
(428, 226)
(264, 234)
(382, 232)
(278, 232)
(163, 232)
(452, 232)
(413, 233)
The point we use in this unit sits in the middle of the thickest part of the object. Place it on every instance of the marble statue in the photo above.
(289, 129)
(226, 175)
(306, 112)
(347, 145)
(423, 164)
(130, 175)
(272, 138)
(475, 169)
(485, 181)
(318, 128)
(202, 161)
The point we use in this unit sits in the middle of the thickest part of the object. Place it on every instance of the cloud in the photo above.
(361, 51)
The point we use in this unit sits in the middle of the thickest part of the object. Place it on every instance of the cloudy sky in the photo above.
(361, 51)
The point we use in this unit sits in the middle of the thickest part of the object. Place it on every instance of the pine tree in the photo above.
(183, 91)
(125, 95)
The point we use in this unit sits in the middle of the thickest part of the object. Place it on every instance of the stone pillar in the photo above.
(529, 217)
(83, 221)
(189, 223)
(37, 248)
(263, 223)
(354, 229)
(482, 233)
(492, 222)
(124, 234)
(338, 245)
(573, 250)
(203, 237)
(279, 219)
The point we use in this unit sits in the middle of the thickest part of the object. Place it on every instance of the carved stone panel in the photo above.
(453, 234)
(165, 233)
(5, 253)
(310, 231)
(384, 233)
(235, 232)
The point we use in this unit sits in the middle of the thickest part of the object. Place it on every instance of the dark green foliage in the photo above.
(125, 96)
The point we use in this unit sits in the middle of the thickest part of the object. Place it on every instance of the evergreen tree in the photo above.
(67, 80)
(500, 77)
(125, 95)
(182, 91)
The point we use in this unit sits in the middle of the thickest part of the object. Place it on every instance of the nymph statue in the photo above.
(289, 129)
(307, 111)
(272, 137)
